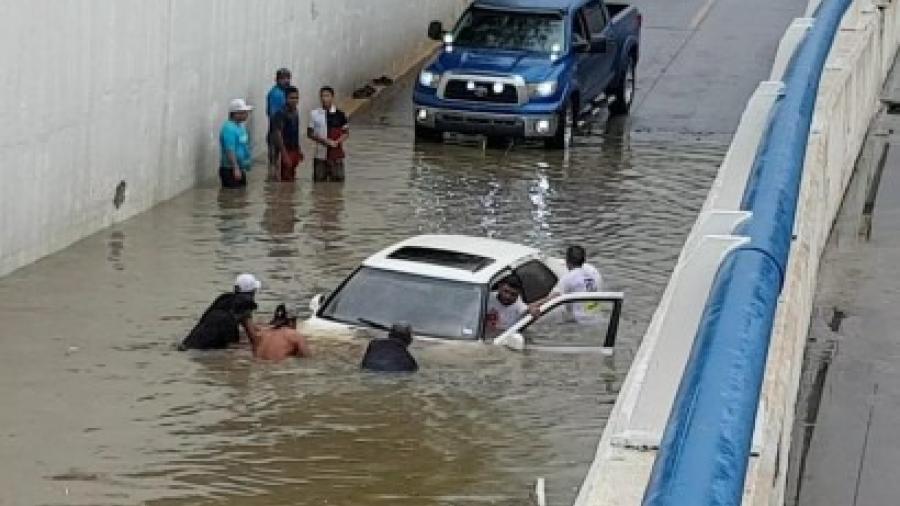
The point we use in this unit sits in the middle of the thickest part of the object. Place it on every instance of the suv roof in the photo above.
(558, 5)
(456, 257)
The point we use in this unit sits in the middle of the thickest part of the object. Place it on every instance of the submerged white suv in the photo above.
(440, 284)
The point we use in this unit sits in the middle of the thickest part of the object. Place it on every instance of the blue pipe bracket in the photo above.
(705, 450)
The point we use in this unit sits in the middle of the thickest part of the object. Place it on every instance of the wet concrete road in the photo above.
(852, 382)
(100, 410)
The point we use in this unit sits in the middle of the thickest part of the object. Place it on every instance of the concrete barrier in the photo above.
(109, 91)
(635, 428)
(858, 62)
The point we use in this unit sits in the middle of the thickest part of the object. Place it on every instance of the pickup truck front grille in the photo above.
(480, 90)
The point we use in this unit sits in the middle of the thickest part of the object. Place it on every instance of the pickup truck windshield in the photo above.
(434, 307)
(512, 31)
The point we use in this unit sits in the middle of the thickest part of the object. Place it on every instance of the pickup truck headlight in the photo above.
(544, 89)
(429, 79)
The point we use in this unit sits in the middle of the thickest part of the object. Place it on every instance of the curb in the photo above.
(354, 106)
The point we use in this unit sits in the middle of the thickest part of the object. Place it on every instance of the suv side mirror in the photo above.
(316, 303)
(600, 44)
(435, 30)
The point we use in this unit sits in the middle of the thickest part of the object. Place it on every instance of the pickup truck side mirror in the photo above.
(600, 44)
(435, 30)
(581, 46)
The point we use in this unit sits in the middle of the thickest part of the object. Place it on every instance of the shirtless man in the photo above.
(280, 339)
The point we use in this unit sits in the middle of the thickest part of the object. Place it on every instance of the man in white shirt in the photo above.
(582, 277)
(506, 307)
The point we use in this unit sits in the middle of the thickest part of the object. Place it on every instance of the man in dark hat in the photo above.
(391, 354)
(219, 325)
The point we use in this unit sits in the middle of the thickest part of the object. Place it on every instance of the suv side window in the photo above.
(537, 280)
(595, 16)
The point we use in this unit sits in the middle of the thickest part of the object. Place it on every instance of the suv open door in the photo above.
(604, 320)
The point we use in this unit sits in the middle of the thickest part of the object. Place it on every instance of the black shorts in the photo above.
(324, 170)
(227, 176)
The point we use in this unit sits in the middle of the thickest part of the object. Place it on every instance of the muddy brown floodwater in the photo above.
(98, 409)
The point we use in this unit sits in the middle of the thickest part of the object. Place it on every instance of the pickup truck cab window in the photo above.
(595, 16)
(580, 34)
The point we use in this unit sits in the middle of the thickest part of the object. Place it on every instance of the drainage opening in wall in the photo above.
(119, 197)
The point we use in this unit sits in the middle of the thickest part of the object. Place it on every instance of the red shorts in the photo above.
(289, 164)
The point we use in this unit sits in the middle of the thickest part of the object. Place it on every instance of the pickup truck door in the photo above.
(604, 45)
(585, 322)
(587, 61)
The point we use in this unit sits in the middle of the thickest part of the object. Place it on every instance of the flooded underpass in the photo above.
(100, 409)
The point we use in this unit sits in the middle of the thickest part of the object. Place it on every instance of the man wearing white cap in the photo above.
(235, 146)
(218, 326)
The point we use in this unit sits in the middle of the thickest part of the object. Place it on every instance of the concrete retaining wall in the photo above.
(96, 93)
(857, 66)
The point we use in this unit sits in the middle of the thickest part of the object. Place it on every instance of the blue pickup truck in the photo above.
(528, 69)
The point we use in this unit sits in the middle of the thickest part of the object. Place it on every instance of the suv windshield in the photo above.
(434, 307)
(515, 31)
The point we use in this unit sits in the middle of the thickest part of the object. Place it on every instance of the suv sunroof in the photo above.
(444, 258)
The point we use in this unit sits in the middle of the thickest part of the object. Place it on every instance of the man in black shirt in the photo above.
(284, 134)
(391, 354)
(218, 326)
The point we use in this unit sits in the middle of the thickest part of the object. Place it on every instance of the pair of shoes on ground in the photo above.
(383, 81)
(368, 90)
(364, 92)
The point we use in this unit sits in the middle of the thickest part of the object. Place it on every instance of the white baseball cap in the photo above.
(239, 105)
(247, 283)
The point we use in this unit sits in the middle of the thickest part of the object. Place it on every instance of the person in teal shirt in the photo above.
(234, 141)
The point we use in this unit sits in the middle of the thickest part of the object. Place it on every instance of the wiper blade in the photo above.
(370, 323)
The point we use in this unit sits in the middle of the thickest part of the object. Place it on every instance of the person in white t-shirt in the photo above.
(505, 306)
(582, 277)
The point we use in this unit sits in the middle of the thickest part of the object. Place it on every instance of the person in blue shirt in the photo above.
(276, 101)
(235, 143)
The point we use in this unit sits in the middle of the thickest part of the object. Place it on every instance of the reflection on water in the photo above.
(101, 409)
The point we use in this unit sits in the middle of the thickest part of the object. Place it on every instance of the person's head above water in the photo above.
(575, 257)
(246, 283)
(402, 332)
(509, 289)
(283, 318)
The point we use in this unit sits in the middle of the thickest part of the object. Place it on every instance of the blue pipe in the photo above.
(704, 454)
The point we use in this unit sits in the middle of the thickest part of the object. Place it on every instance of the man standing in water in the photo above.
(275, 101)
(391, 354)
(582, 277)
(328, 128)
(284, 133)
(235, 146)
(218, 326)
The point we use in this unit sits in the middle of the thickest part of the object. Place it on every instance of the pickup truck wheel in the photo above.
(565, 128)
(623, 93)
(425, 134)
